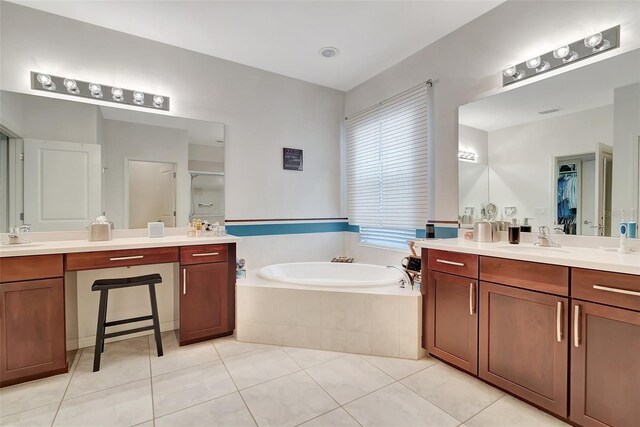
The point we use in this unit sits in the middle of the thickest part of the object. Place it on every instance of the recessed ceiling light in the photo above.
(329, 52)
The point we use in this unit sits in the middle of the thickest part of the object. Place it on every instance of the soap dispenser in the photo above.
(526, 227)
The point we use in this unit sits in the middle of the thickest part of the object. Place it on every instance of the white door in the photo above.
(604, 169)
(61, 185)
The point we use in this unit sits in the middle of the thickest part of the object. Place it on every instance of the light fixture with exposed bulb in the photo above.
(92, 90)
(562, 55)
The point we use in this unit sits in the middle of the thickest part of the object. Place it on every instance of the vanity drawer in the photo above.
(200, 254)
(552, 279)
(20, 268)
(617, 289)
(454, 263)
(123, 258)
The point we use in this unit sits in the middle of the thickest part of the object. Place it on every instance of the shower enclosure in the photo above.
(207, 196)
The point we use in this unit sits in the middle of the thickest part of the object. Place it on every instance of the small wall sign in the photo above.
(292, 159)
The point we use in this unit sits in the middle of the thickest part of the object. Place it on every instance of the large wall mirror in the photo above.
(563, 152)
(64, 163)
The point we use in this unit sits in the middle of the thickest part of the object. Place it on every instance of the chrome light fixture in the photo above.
(467, 156)
(563, 55)
(68, 86)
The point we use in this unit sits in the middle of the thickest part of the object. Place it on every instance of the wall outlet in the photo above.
(510, 210)
(540, 211)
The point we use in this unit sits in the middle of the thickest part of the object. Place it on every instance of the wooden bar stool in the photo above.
(104, 286)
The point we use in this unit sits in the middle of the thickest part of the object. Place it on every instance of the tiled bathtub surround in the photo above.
(381, 321)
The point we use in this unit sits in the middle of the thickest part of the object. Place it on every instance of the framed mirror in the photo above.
(562, 152)
(63, 163)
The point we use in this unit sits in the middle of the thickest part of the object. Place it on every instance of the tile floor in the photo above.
(229, 383)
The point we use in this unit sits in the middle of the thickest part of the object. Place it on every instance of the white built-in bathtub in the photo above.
(356, 308)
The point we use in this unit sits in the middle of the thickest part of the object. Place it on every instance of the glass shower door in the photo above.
(207, 197)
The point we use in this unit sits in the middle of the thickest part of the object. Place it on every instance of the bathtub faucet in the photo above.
(406, 279)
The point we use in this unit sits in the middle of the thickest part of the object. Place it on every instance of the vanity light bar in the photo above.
(563, 55)
(92, 90)
(467, 156)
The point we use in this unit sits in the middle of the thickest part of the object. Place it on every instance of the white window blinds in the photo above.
(387, 162)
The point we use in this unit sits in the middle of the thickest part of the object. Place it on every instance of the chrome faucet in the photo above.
(544, 238)
(16, 233)
(406, 280)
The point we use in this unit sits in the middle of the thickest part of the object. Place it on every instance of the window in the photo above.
(388, 168)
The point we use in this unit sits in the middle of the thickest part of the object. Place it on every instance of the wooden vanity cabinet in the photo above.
(206, 292)
(32, 325)
(450, 325)
(605, 349)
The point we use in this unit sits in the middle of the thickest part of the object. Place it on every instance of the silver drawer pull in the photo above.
(559, 321)
(206, 254)
(444, 261)
(576, 326)
(184, 281)
(616, 290)
(124, 258)
(472, 300)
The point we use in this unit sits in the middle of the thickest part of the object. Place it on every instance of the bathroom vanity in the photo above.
(557, 327)
(32, 293)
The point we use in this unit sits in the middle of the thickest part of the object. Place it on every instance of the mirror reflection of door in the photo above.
(604, 178)
(4, 183)
(152, 193)
(207, 196)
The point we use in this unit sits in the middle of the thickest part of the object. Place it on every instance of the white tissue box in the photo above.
(155, 229)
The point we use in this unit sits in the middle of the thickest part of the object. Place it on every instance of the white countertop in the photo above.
(71, 246)
(571, 256)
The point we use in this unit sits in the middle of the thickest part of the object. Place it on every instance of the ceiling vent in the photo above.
(553, 110)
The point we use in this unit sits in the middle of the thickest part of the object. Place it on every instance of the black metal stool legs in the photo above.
(100, 329)
(156, 320)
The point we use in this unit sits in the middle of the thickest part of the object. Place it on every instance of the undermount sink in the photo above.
(534, 248)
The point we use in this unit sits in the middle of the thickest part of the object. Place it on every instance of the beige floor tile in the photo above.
(122, 362)
(349, 378)
(34, 394)
(224, 411)
(336, 418)
(133, 403)
(396, 405)
(42, 416)
(287, 401)
(188, 387)
(249, 369)
(229, 347)
(400, 368)
(176, 357)
(459, 394)
(307, 357)
(509, 411)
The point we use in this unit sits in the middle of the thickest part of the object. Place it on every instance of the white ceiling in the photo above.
(578, 90)
(285, 37)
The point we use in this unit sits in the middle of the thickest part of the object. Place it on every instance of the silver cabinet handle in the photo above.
(472, 299)
(616, 290)
(576, 326)
(184, 281)
(559, 321)
(206, 254)
(444, 261)
(124, 258)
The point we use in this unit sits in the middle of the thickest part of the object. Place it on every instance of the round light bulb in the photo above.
(533, 62)
(96, 90)
(158, 101)
(561, 52)
(138, 97)
(71, 85)
(593, 40)
(117, 94)
(46, 81)
(509, 71)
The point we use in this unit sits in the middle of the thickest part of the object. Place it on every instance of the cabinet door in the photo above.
(524, 344)
(204, 301)
(32, 331)
(452, 320)
(605, 365)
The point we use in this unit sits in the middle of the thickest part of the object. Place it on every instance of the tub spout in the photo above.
(406, 279)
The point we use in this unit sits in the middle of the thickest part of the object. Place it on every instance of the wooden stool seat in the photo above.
(104, 285)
